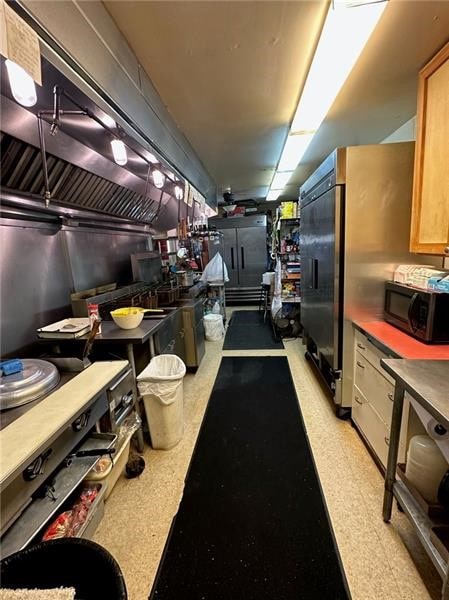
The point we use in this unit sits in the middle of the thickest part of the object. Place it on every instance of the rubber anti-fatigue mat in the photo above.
(247, 331)
(252, 524)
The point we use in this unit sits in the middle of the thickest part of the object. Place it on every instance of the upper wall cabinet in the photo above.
(430, 212)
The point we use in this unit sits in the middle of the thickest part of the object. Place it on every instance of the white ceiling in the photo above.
(231, 72)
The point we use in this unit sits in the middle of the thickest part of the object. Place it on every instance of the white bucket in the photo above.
(214, 328)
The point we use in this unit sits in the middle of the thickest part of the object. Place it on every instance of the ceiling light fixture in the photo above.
(108, 121)
(179, 192)
(346, 30)
(22, 85)
(119, 152)
(158, 178)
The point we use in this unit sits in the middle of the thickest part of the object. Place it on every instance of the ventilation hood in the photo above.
(81, 171)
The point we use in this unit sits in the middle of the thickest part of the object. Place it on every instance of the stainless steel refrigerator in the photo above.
(245, 255)
(354, 231)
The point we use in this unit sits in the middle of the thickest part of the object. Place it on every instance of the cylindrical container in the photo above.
(161, 386)
(94, 315)
(214, 328)
(425, 466)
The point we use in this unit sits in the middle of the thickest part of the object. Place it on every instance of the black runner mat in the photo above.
(247, 331)
(252, 524)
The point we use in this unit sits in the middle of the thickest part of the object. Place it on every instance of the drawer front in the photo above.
(374, 429)
(371, 353)
(374, 386)
(370, 425)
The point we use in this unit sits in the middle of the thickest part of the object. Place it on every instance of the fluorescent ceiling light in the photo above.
(22, 85)
(293, 151)
(119, 152)
(273, 194)
(280, 180)
(345, 32)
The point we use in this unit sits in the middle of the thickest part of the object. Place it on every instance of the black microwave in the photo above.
(424, 314)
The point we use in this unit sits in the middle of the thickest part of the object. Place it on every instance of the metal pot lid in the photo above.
(37, 379)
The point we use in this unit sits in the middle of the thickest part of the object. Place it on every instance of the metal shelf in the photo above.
(40, 511)
(421, 523)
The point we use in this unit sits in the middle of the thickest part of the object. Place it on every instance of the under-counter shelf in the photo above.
(64, 482)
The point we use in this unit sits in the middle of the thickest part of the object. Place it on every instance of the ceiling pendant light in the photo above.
(119, 152)
(22, 85)
(158, 178)
(179, 192)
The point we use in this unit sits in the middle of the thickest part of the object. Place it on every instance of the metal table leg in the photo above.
(390, 476)
(139, 432)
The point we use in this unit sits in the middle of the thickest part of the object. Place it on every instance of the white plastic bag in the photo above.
(276, 303)
(214, 328)
(161, 385)
(162, 378)
(215, 270)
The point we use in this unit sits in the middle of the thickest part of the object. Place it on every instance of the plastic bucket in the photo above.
(213, 326)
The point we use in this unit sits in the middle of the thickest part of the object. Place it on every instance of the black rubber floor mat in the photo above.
(252, 524)
(247, 331)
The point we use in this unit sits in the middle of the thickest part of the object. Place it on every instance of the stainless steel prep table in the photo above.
(427, 381)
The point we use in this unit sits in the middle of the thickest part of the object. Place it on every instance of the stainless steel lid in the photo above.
(37, 379)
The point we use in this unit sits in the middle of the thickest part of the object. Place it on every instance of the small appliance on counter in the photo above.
(424, 314)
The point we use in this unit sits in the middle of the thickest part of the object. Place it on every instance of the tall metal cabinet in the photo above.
(245, 255)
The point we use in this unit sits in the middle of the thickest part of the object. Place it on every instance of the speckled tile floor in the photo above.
(381, 561)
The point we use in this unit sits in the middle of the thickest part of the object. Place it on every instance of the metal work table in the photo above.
(427, 382)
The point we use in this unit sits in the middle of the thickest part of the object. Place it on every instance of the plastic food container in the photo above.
(109, 477)
(425, 466)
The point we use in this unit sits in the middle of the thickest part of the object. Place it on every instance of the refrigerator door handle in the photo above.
(313, 269)
(243, 257)
(232, 258)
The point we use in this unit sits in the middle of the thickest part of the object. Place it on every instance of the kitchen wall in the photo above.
(95, 43)
(405, 133)
(42, 263)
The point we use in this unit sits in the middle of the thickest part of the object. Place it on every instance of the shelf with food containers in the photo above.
(288, 251)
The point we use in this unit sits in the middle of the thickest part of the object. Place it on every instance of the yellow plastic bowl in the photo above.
(128, 318)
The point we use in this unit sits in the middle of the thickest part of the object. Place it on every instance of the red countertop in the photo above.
(402, 344)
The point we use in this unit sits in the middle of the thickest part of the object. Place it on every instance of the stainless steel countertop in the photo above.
(110, 332)
(427, 381)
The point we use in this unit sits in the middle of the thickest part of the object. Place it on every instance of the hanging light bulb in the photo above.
(119, 152)
(22, 85)
(179, 192)
(158, 178)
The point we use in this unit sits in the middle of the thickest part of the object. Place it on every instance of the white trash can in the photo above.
(161, 386)
(213, 326)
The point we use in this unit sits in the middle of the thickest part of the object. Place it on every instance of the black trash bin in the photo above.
(66, 562)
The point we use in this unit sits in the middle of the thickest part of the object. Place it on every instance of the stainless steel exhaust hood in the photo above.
(81, 169)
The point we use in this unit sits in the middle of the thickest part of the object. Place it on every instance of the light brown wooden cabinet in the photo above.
(430, 211)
